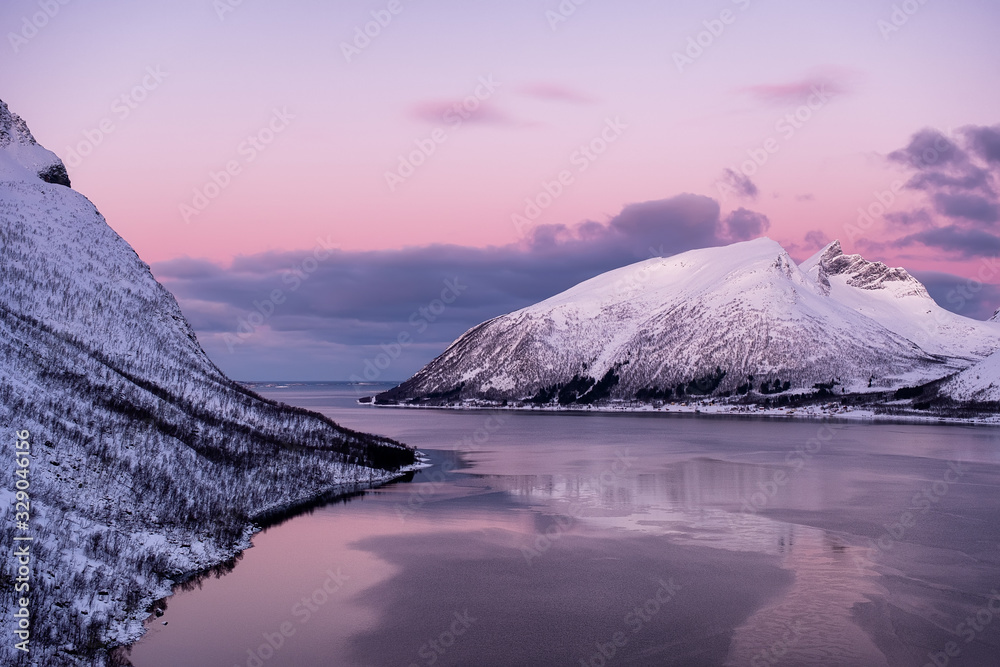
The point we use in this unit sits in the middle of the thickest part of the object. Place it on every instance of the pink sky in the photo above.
(146, 101)
(324, 174)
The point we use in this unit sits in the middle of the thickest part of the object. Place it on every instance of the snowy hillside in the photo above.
(978, 384)
(146, 462)
(731, 321)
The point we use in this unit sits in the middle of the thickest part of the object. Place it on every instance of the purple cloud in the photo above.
(929, 149)
(919, 217)
(351, 302)
(817, 239)
(739, 183)
(969, 207)
(743, 225)
(958, 176)
(830, 81)
(457, 112)
(967, 243)
(985, 141)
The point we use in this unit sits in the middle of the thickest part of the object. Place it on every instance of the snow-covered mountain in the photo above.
(741, 319)
(146, 461)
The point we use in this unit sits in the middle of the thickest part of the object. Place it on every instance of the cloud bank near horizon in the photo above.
(323, 313)
(327, 313)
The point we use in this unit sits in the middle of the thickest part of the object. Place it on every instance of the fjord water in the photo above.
(607, 539)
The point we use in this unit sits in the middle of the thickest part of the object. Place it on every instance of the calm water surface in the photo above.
(556, 539)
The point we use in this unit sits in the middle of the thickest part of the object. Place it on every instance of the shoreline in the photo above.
(135, 626)
(844, 414)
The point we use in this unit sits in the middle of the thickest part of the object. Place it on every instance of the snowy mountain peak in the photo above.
(899, 302)
(21, 157)
(864, 274)
(720, 321)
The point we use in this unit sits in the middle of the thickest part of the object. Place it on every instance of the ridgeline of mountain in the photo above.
(740, 323)
(146, 462)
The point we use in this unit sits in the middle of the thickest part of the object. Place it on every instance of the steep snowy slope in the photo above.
(145, 460)
(900, 303)
(704, 322)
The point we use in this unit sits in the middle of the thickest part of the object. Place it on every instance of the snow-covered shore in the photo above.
(829, 411)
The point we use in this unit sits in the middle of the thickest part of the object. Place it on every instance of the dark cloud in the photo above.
(965, 242)
(929, 149)
(968, 178)
(817, 239)
(683, 222)
(743, 225)
(985, 141)
(739, 184)
(958, 176)
(343, 306)
(970, 207)
(920, 217)
(970, 298)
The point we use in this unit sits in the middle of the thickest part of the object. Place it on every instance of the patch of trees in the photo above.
(649, 394)
(580, 390)
(775, 387)
(907, 393)
(704, 385)
(825, 389)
